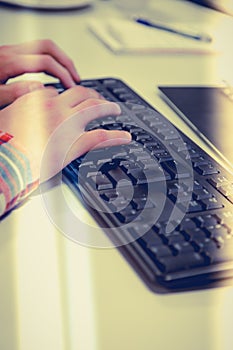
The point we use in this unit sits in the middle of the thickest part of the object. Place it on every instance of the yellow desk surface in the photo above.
(59, 295)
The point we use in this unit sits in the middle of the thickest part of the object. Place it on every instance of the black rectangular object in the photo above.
(197, 252)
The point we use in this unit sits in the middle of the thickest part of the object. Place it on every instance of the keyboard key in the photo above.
(226, 190)
(209, 250)
(119, 178)
(109, 195)
(168, 134)
(180, 146)
(225, 218)
(177, 171)
(160, 251)
(178, 263)
(128, 215)
(108, 82)
(211, 203)
(174, 187)
(152, 240)
(175, 239)
(187, 224)
(142, 156)
(218, 181)
(201, 193)
(197, 237)
(206, 220)
(181, 198)
(216, 254)
(194, 154)
(183, 247)
(218, 233)
(101, 182)
(141, 203)
(201, 160)
(207, 169)
(140, 176)
(195, 206)
(128, 166)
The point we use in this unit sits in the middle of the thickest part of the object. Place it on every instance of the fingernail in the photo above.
(118, 107)
(126, 136)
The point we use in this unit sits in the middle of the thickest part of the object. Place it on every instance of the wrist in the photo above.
(17, 179)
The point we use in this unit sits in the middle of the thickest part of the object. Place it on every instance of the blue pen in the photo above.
(191, 35)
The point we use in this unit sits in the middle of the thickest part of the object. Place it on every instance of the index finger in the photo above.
(48, 47)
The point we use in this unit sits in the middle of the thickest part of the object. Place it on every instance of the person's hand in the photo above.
(33, 57)
(44, 118)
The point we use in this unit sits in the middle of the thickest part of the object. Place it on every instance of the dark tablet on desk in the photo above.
(208, 110)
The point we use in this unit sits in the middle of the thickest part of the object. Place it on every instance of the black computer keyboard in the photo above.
(164, 202)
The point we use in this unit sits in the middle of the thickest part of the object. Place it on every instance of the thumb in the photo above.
(10, 92)
(98, 138)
